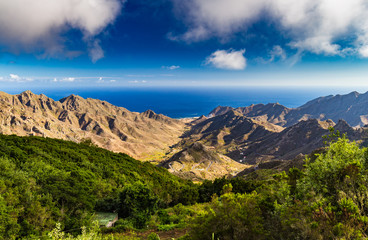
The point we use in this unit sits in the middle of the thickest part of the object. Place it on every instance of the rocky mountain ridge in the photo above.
(352, 107)
(142, 135)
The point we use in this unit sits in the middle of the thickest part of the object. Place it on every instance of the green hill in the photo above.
(44, 181)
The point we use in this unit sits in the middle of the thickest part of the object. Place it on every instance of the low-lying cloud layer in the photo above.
(313, 25)
(38, 26)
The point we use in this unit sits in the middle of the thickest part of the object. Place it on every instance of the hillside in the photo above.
(301, 138)
(229, 129)
(142, 135)
(198, 162)
(44, 181)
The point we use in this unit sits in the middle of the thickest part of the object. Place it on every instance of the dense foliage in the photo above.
(326, 200)
(44, 181)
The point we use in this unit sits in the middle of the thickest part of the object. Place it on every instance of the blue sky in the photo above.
(140, 43)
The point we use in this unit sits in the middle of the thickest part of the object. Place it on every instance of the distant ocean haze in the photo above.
(192, 102)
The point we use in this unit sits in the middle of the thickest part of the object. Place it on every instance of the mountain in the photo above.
(229, 129)
(301, 138)
(273, 112)
(352, 107)
(144, 135)
(198, 162)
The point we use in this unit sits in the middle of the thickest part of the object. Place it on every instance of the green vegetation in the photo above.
(46, 183)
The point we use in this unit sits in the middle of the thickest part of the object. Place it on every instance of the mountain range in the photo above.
(352, 107)
(142, 135)
(225, 142)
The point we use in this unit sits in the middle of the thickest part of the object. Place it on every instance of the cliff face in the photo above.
(142, 135)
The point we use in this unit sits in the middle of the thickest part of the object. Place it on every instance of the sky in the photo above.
(174, 43)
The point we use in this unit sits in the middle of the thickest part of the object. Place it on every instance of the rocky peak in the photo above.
(344, 128)
(199, 120)
(219, 111)
(72, 102)
(149, 113)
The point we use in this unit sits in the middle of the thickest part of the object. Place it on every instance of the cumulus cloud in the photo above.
(38, 26)
(228, 59)
(312, 25)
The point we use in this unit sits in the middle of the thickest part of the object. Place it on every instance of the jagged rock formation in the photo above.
(198, 162)
(352, 107)
(142, 135)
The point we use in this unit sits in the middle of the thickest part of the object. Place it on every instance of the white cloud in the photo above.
(100, 80)
(68, 79)
(228, 59)
(39, 26)
(312, 25)
(136, 81)
(95, 51)
(277, 52)
(173, 67)
(17, 78)
(363, 51)
(14, 77)
(112, 81)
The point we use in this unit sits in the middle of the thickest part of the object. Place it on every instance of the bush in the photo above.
(138, 203)
(153, 236)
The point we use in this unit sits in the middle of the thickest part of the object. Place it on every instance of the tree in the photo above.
(137, 202)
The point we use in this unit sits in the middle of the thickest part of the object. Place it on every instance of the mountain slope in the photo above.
(44, 181)
(229, 129)
(273, 112)
(142, 135)
(352, 107)
(198, 162)
(301, 138)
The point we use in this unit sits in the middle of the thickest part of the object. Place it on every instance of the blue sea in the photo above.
(191, 102)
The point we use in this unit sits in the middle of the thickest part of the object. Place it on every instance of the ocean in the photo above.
(192, 102)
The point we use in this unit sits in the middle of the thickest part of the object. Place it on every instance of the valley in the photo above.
(225, 143)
